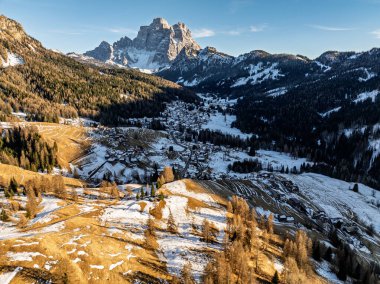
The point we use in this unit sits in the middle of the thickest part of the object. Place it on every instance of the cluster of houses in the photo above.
(188, 156)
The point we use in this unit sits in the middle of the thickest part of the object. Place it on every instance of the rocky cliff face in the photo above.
(155, 46)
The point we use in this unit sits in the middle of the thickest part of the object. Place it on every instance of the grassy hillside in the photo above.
(97, 238)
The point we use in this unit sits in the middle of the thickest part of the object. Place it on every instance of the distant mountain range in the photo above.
(172, 53)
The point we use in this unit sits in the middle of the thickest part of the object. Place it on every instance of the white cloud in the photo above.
(331, 29)
(257, 29)
(122, 31)
(234, 32)
(376, 33)
(199, 33)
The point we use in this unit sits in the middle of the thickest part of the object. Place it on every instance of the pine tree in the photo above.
(316, 251)
(252, 151)
(142, 193)
(342, 265)
(159, 183)
(328, 254)
(152, 191)
(161, 196)
(4, 216)
(13, 186)
(356, 188)
(276, 278)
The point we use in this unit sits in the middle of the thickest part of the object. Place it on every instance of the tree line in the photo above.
(24, 147)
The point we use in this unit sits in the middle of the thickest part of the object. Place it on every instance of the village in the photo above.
(135, 153)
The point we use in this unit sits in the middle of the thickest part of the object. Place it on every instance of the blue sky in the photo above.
(307, 27)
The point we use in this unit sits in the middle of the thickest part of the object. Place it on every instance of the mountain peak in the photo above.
(103, 52)
(160, 22)
(155, 46)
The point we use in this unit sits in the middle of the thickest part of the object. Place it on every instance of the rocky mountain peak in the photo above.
(124, 42)
(155, 46)
(103, 52)
(160, 23)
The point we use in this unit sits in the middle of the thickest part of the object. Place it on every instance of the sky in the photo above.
(307, 27)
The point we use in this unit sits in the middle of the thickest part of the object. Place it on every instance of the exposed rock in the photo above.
(155, 46)
(103, 52)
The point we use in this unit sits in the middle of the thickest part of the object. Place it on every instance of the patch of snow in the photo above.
(278, 266)
(258, 73)
(142, 60)
(277, 159)
(327, 113)
(50, 205)
(72, 251)
(23, 256)
(112, 266)
(355, 56)
(324, 68)
(325, 271)
(192, 83)
(6, 278)
(13, 60)
(96, 266)
(220, 122)
(337, 200)
(369, 75)
(179, 188)
(114, 254)
(277, 92)
(367, 95)
(81, 252)
(26, 244)
(129, 256)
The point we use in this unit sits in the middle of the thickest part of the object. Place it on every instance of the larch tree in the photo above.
(186, 274)
(171, 225)
(270, 224)
(58, 185)
(206, 231)
(168, 174)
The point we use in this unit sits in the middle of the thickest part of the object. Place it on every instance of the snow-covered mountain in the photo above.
(155, 46)
(209, 70)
